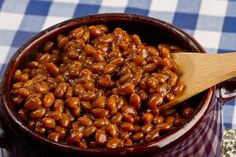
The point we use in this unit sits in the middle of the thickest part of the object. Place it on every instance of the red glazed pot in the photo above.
(201, 136)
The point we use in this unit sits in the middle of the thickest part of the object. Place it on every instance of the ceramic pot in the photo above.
(201, 136)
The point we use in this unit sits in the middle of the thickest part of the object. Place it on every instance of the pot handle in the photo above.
(227, 90)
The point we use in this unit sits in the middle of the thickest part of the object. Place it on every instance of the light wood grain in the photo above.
(199, 71)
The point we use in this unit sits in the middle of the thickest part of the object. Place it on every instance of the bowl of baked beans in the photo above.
(92, 85)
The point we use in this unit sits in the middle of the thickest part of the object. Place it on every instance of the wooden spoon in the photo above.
(200, 71)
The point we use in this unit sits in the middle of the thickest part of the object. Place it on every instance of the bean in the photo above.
(33, 103)
(143, 95)
(126, 89)
(179, 122)
(78, 90)
(48, 123)
(31, 125)
(105, 81)
(147, 118)
(89, 85)
(127, 126)
(52, 69)
(167, 63)
(136, 39)
(112, 130)
(88, 96)
(100, 137)
(75, 137)
(95, 31)
(113, 143)
(125, 78)
(39, 128)
(147, 128)
(152, 135)
(17, 74)
(82, 144)
(72, 102)
(61, 131)
(137, 136)
(124, 135)
(42, 88)
(99, 112)
(77, 33)
(89, 131)
(170, 120)
(54, 136)
(151, 82)
(111, 105)
(85, 121)
(106, 39)
(118, 61)
(178, 89)
(128, 143)
(135, 100)
(128, 118)
(158, 120)
(169, 96)
(163, 127)
(56, 115)
(150, 67)
(39, 113)
(48, 100)
(86, 106)
(99, 122)
(109, 68)
(58, 105)
(100, 102)
(65, 120)
(69, 92)
(60, 90)
(130, 110)
(76, 111)
(155, 100)
(116, 118)
(23, 114)
(86, 36)
(165, 52)
(188, 112)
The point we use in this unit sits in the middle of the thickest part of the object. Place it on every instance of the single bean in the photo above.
(99, 122)
(65, 120)
(99, 112)
(48, 123)
(100, 137)
(33, 103)
(72, 102)
(48, 100)
(85, 121)
(112, 130)
(89, 131)
(137, 136)
(54, 136)
(39, 113)
(116, 118)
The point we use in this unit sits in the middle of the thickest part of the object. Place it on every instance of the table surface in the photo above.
(211, 22)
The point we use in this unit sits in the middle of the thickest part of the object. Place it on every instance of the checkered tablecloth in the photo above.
(211, 22)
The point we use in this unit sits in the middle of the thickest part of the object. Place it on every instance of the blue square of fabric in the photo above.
(187, 21)
(38, 8)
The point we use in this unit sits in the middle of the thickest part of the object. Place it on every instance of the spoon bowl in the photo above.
(200, 71)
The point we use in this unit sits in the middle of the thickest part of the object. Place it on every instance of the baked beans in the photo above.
(93, 88)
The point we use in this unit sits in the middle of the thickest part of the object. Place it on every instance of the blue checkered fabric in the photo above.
(211, 22)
